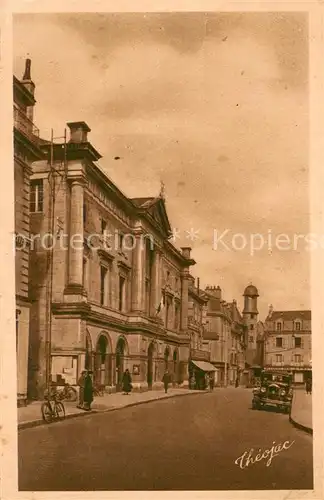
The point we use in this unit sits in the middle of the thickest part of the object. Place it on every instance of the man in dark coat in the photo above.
(88, 391)
(166, 380)
(81, 388)
(127, 382)
(309, 386)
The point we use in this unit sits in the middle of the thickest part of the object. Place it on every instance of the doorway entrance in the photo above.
(120, 355)
(175, 368)
(103, 362)
(150, 355)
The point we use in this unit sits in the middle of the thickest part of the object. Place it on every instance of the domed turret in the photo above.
(251, 291)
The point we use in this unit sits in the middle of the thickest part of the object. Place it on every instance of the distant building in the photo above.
(288, 343)
(26, 151)
(224, 337)
(199, 354)
(250, 319)
(118, 297)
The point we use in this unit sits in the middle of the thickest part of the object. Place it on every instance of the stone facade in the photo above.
(26, 150)
(288, 343)
(224, 337)
(114, 297)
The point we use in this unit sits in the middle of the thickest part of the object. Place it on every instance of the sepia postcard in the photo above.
(161, 250)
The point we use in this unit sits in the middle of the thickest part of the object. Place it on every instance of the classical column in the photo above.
(184, 299)
(156, 282)
(138, 281)
(76, 234)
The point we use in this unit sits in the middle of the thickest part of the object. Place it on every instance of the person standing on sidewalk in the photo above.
(211, 381)
(166, 380)
(88, 391)
(81, 388)
(127, 382)
(309, 386)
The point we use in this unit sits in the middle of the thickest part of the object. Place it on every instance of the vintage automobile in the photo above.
(275, 389)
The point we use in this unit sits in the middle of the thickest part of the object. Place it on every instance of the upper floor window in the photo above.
(298, 342)
(121, 302)
(120, 242)
(298, 358)
(103, 226)
(103, 285)
(279, 327)
(297, 325)
(279, 342)
(251, 327)
(251, 338)
(279, 358)
(36, 195)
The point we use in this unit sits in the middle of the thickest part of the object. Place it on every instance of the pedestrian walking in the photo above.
(309, 386)
(127, 382)
(88, 391)
(211, 382)
(81, 388)
(166, 380)
(236, 382)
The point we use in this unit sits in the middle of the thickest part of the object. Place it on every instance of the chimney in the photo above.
(186, 252)
(78, 132)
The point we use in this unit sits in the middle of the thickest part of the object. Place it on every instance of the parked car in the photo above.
(275, 390)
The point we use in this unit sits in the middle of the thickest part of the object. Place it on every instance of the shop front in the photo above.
(200, 373)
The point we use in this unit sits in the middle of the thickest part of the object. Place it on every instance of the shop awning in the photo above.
(204, 366)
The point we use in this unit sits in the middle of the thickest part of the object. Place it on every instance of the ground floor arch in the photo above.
(150, 365)
(103, 361)
(121, 352)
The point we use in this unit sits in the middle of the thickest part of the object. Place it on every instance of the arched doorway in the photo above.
(175, 367)
(103, 361)
(150, 363)
(120, 355)
(166, 358)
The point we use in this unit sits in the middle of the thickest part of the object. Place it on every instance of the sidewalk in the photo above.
(301, 411)
(30, 416)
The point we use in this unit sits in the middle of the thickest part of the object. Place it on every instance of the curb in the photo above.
(39, 422)
(299, 426)
(296, 424)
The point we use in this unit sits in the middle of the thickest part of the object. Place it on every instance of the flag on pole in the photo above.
(161, 306)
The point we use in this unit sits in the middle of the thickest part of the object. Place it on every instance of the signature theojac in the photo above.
(247, 458)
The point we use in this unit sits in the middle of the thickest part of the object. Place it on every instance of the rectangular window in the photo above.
(297, 325)
(298, 358)
(121, 293)
(279, 358)
(120, 242)
(279, 342)
(279, 327)
(103, 285)
(36, 195)
(251, 338)
(298, 342)
(176, 316)
(103, 226)
(167, 312)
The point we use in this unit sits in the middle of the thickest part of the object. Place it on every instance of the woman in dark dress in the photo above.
(88, 392)
(127, 382)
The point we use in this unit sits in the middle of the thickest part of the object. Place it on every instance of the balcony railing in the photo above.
(199, 355)
(26, 126)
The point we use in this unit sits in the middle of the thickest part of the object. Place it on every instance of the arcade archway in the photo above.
(150, 365)
(120, 362)
(103, 361)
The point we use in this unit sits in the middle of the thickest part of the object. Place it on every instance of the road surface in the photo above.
(185, 443)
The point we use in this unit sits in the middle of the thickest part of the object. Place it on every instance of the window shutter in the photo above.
(302, 342)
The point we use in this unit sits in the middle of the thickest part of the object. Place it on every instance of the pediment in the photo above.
(158, 213)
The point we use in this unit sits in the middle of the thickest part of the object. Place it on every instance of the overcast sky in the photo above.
(215, 105)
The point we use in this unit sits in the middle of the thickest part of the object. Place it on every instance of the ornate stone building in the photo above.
(26, 150)
(224, 337)
(113, 291)
(288, 343)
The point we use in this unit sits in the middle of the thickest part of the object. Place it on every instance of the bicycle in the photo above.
(52, 408)
(68, 393)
